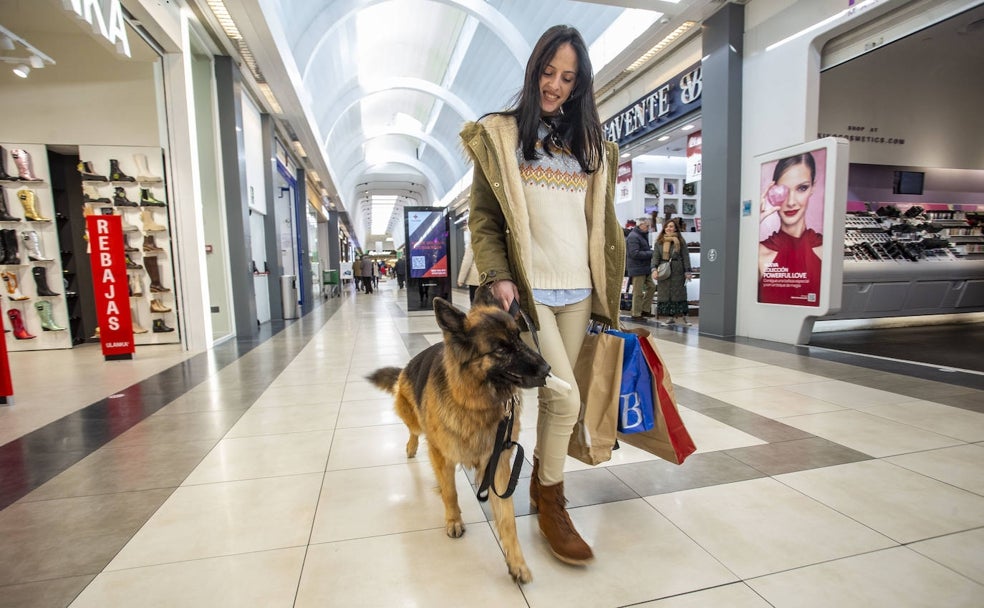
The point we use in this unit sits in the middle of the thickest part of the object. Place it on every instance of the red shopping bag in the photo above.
(669, 439)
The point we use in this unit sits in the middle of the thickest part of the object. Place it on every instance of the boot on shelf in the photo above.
(91, 195)
(4, 176)
(143, 169)
(160, 327)
(20, 332)
(25, 168)
(149, 223)
(115, 174)
(149, 245)
(127, 247)
(136, 287)
(41, 281)
(154, 272)
(47, 319)
(12, 285)
(120, 199)
(131, 265)
(4, 212)
(157, 306)
(147, 199)
(33, 245)
(9, 238)
(89, 174)
(30, 204)
(137, 328)
(555, 524)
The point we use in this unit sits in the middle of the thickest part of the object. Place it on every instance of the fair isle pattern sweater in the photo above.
(556, 189)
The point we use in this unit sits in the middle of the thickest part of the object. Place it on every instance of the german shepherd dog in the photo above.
(456, 392)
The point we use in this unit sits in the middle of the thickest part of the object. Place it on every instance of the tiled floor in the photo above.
(272, 474)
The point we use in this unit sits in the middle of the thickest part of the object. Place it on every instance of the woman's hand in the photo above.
(765, 207)
(504, 292)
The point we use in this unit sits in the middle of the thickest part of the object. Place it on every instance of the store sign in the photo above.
(110, 285)
(428, 244)
(694, 164)
(623, 182)
(679, 96)
(94, 13)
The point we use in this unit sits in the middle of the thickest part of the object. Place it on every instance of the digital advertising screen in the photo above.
(427, 244)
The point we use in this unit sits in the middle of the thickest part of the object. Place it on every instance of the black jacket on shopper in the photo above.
(638, 253)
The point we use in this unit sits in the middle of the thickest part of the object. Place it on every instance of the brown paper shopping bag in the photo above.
(669, 439)
(598, 373)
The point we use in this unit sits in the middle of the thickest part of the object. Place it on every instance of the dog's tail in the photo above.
(385, 378)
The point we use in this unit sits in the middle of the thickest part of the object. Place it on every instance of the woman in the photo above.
(671, 293)
(790, 259)
(545, 236)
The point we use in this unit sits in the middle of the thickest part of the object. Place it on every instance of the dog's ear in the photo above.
(449, 318)
(484, 297)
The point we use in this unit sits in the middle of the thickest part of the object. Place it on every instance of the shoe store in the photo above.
(71, 147)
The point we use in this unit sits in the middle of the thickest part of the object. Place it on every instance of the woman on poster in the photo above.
(790, 259)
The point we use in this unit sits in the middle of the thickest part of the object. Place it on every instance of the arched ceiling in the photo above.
(384, 86)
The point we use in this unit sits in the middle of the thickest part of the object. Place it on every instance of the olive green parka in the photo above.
(500, 222)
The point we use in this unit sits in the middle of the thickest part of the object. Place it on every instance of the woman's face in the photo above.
(557, 79)
(671, 228)
(793, 210)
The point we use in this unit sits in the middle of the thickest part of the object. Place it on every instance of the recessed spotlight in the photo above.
(687, 127)
(664, 138)
(22, 70)
(625, 155)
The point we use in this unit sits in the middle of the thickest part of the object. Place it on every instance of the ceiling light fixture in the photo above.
(662, 44)
(296, 145)
(225, 19)
(271, 98)
(35, 59)
(663, 138)
(687, 127)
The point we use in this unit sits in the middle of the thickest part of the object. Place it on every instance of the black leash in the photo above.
(503, 435)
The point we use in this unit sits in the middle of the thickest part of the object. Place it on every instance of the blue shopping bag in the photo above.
(635, 400)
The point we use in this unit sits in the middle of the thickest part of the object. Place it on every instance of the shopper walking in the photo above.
(639, 265)
(367, 266)
(671, 300)
(401, 271)
(545, 235)
(357, 274)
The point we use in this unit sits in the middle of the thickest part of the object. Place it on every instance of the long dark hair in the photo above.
(578, 126)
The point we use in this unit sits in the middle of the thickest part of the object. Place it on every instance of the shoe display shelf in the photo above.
(671, 196)
(128, 181)
(34, 308)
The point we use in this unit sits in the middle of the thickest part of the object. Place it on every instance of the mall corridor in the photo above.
(272, 474)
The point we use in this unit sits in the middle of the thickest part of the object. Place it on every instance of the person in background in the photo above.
(638, 266)
(367, 266)
(401, 271)
(671, 299)
(629, 225)
(546, 238)
(468, 273)
(360, 284)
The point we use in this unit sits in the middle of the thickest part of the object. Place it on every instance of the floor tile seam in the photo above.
(214, 482)
(885, 418)
(910, 424)
(52, 499)
(930, 477)
(940, 368)
(688, 536)
(830, 561)
(192, 560)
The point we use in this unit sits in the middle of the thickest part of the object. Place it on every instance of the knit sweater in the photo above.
(555, 188)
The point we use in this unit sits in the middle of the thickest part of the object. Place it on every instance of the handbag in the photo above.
(663, 271)
(669, 439)
(635, 395)
(598, 373)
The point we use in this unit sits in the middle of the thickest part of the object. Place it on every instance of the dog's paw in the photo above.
(520, 573)
(454, 528)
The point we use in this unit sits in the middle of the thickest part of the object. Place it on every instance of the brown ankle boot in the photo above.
(556, 525)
